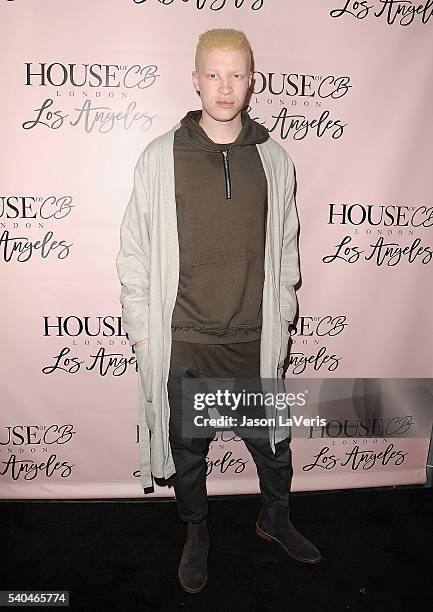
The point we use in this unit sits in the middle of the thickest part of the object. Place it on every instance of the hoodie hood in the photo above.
(251, 133)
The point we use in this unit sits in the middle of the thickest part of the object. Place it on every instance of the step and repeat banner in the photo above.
(346, 88)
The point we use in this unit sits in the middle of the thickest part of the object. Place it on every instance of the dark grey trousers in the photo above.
(189, 455)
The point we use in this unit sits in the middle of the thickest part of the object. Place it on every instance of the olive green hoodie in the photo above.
(221, 201)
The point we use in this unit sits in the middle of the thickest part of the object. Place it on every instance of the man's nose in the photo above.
(225, 86)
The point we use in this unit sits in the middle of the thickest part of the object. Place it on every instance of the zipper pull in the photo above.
(228, 186)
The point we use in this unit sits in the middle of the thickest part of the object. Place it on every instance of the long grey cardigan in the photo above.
(148, 269)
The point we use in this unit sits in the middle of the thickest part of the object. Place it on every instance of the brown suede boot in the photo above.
(192, 572)
(273, 524)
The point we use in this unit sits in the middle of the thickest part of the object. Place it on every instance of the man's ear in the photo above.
(195, 80)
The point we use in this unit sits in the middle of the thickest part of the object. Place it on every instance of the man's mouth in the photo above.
(224, 103)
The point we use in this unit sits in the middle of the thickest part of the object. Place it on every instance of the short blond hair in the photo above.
(223, 38)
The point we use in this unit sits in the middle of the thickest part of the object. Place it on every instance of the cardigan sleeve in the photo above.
(132, 261)
(289, 257)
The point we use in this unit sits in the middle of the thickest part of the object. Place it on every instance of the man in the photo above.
(208, 263)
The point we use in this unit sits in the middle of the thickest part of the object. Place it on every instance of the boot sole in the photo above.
(189, 589)
(269, 537)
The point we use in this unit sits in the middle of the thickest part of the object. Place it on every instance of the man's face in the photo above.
(223, 78)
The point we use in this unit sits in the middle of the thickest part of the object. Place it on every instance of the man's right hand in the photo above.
(139, 343)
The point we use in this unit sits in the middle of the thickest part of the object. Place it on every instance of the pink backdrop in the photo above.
(85, 86)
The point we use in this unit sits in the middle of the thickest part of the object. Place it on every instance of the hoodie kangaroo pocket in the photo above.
(228, 294)
(144, 370)
(185, 280)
